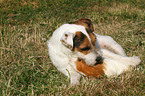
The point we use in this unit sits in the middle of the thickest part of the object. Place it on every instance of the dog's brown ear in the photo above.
(87, 23)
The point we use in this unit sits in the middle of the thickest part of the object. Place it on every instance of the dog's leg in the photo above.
(107, 42)
(134, 60)
(74, 77)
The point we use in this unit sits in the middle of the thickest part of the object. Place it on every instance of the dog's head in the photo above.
(83, 44)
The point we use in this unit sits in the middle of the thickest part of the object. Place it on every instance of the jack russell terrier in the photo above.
(75, 49)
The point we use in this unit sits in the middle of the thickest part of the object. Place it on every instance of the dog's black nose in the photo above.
(99, 58)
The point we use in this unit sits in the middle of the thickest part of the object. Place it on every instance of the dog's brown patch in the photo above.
(89, 71)
(81, 43)
(87, 23)
(93, 38)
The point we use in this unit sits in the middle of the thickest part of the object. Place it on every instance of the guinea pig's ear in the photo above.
(67, 40)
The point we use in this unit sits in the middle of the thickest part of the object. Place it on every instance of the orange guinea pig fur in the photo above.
(89, 71)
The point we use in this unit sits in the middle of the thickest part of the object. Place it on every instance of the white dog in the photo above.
(75, 49)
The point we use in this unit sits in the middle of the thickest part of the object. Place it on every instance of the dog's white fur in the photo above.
(64, 59)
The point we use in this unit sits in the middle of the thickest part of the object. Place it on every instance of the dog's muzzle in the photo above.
(99, 60)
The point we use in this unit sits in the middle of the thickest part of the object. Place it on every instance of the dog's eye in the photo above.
(85, 49)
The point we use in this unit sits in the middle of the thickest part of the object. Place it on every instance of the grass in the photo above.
(26, 25)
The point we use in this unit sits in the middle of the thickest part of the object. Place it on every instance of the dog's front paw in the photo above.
(135, 60)
(74, 77)
(74, 82)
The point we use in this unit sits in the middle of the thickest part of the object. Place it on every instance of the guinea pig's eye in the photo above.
(85, 49)
(79, 60)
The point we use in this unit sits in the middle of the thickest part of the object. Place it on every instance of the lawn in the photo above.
(26, 25)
